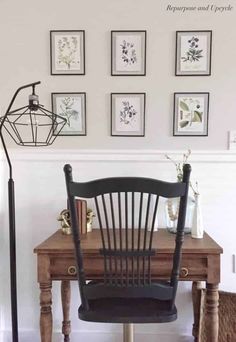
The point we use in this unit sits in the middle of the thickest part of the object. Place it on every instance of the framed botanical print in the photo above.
(67, 52)
(128, 53)
(72, 107)
(193, 53)
(232, 140)
(191, 114)
(128, 114)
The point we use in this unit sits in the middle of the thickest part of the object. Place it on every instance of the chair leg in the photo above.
(128, 332)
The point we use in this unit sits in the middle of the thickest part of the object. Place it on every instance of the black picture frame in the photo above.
(194, 53)
(191, 121)
(71, 105)
(137, 107)
(59, 64)
(128, 64)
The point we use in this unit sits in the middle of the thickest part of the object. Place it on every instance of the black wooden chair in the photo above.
(126, 208)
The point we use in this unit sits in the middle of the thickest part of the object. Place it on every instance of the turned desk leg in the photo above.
(212, 321)
(65, 298)
(46, 311)
(196, 297)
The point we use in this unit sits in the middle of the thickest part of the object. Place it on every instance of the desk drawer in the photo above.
(62, 267)
(65, 267)
(192, 267)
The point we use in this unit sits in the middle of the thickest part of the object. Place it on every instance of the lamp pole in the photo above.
(11, 198)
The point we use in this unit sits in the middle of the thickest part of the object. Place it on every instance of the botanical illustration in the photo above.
(71, 107)
(68, 55)
(193, 54)
(190, 111)
(128, 113)
(128, 52)
(67, 110)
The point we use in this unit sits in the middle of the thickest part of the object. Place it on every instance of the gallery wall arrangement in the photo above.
(193, 53)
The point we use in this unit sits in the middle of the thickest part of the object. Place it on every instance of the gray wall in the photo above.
(25, 27)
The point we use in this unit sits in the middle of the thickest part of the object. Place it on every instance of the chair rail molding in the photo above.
(115, 155)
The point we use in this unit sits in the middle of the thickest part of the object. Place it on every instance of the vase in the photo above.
(171, 214)
(197, 224)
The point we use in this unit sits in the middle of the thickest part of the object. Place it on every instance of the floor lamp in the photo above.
(31, 125)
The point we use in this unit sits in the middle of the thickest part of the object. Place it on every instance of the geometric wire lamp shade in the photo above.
(33, 125)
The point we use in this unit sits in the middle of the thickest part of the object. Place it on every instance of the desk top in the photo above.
(163, 242)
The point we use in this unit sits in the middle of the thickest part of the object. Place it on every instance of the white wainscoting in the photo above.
(40, 196)
(94, 336)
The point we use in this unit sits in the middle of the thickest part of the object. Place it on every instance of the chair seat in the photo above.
(123, 310)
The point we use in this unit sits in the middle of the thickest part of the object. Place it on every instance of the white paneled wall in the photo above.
(40, 196)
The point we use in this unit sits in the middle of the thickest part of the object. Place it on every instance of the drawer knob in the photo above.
(71, 270)
(184, 272)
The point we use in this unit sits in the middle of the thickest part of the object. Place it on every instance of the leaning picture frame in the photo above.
(128, 53)
(67, 52)
(193, 53)
(128, 114)
(191, 111)
(72, 107)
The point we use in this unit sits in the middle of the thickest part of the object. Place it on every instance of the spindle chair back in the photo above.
(126, 210)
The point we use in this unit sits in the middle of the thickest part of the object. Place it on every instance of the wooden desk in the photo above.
(200, 262)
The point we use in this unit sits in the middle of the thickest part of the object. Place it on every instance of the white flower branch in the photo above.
(179, 170)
